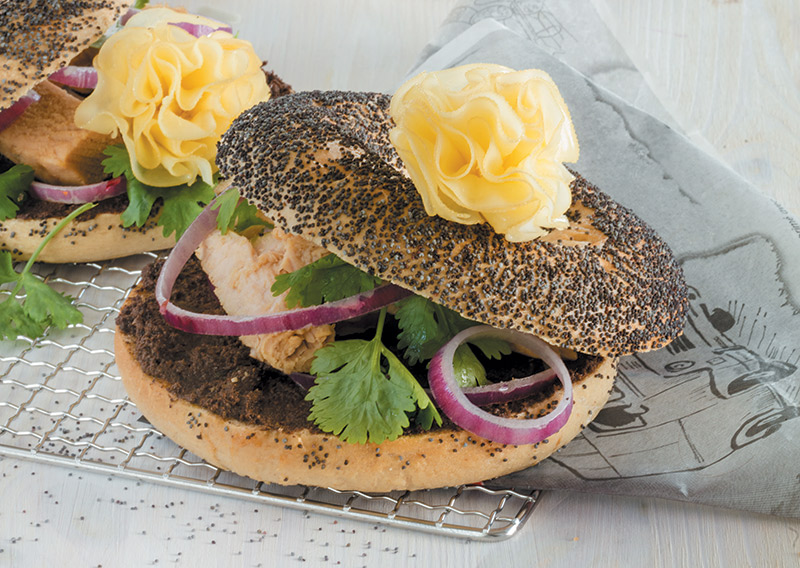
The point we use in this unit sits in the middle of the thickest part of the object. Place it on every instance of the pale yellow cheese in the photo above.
(485, 143)
(171, 95)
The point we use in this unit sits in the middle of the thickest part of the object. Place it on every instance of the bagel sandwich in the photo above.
(90, 113)
(410, 392)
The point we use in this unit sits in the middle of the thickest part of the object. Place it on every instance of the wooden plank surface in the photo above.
(729, 73)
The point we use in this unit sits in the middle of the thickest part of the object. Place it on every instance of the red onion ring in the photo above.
(12, 113)
(208, 324)
(200, 30)
(78, 193)
(506, 391)
(494, 393)
(76, 77)
(454, 402)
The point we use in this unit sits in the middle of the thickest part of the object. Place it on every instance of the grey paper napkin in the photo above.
(715, 417)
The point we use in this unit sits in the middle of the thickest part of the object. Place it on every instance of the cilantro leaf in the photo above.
(42, 307)
(118, 162)
(426, 326)
(7, 272)
(140, 198)
(365, 393)
(325, 280)
(468, 370)
(14, 183)
(46, 305)
(181, 204)
(492, 347)
(236, 213)
(140, 203)
(426, 413)
(15, 321)
(420, 333)
(353, 398)
(226, 209)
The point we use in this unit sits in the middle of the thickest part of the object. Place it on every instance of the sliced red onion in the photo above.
(77, 77)
(78, 193)
(208, 324)
(303, 380)
(494, 393)
(200, 30)
(506, 391)
(12, 113)
(128, 15)
(454, 403)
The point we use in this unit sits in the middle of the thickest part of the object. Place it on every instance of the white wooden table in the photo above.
(52, 515)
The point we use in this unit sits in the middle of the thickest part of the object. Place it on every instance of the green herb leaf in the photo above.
(353, 398)
(7, 272)
(44, 304)
(237, 214)
(468, 370)
(181, 204)
(15, 321)
(118, 162)
(325, 280)
(426, 411)
(421, 335)
(226, 210)
(14, 184)
(426, 326)
(365, 393)
(42, 307)
(491, 347)
(140, 197)
(140, 203)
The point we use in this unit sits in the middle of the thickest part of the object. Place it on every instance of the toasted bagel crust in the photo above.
(38, 37)
(100, 238)
(442, 457)
(321, 166)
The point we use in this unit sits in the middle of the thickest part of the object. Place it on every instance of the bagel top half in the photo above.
(321, 166)
(38, 37)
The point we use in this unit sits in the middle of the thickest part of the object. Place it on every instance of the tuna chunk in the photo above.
(243, 273)
(45, 137)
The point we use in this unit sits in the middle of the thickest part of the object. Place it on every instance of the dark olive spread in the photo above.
(32, 208)
(214, 372)
(218, 374)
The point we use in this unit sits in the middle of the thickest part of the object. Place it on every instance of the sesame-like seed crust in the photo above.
(37, 37)
(320, 165)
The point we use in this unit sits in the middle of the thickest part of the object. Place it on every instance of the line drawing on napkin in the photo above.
(727, 351)
(529, 17)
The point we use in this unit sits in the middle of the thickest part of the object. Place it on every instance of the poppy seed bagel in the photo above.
(38, 37)
(215, 401)
(320, 166)
(98, 234)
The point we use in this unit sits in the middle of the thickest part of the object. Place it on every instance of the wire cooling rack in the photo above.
(62, 402)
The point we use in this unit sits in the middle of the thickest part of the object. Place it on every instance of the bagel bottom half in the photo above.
(97, 234)
(239, 415)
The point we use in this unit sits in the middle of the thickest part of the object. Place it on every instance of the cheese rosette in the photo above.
(171, 95)
(486, 143)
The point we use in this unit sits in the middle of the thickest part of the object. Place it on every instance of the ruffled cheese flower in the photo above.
(485, 143)
(171, 95)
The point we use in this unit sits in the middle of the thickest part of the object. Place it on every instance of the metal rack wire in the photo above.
(62, 402)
